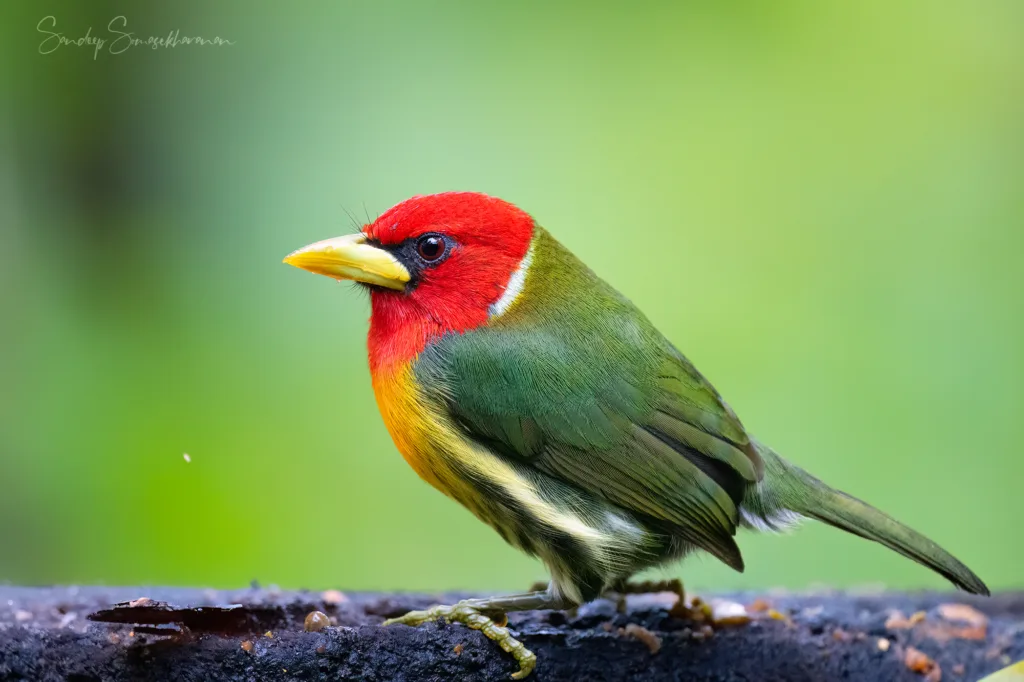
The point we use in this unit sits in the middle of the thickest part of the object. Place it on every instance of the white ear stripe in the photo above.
(514, 286)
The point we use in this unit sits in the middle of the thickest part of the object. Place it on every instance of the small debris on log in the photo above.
(641, 633)
(316, 621)
(921, 663)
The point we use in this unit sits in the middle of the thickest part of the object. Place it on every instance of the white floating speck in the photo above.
(187, 458)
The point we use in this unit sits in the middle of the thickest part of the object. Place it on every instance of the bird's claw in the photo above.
(471, 617)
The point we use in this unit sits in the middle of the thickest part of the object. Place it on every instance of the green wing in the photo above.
(576, 383)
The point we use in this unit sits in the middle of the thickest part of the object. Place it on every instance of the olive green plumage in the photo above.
(789, 488)
(579, 392)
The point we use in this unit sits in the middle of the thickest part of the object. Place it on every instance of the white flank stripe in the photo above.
(514, 287)
(552, 516)
(620, 524)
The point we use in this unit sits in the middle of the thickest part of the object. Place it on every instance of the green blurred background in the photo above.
(821, 203)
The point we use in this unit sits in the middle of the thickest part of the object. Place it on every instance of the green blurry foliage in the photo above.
(819, 202)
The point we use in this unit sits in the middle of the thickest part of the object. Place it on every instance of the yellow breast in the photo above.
(421, 434)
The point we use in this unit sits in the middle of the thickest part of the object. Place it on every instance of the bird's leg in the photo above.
(482, 614)
(570, 610)
(620, 589)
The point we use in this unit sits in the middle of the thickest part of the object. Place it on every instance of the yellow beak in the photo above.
(350, 257)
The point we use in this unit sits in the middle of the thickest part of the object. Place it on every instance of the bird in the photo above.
(516, 381)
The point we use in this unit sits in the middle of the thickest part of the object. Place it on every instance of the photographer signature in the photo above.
(118, 39)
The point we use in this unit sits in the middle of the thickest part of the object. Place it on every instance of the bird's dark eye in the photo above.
(430, 247)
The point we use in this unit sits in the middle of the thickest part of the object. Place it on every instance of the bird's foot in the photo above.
(472, 617)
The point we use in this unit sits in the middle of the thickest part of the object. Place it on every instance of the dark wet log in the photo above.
(47, 634)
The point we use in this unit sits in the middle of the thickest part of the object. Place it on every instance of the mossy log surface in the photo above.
(75, 634)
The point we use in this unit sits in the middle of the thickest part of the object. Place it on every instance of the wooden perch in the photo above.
(77, 634)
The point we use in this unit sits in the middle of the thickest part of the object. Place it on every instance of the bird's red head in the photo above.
(434, 264)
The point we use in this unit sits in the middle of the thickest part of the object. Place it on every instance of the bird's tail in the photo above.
(787, 492)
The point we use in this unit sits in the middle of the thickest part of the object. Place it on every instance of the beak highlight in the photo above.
(351, 258)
